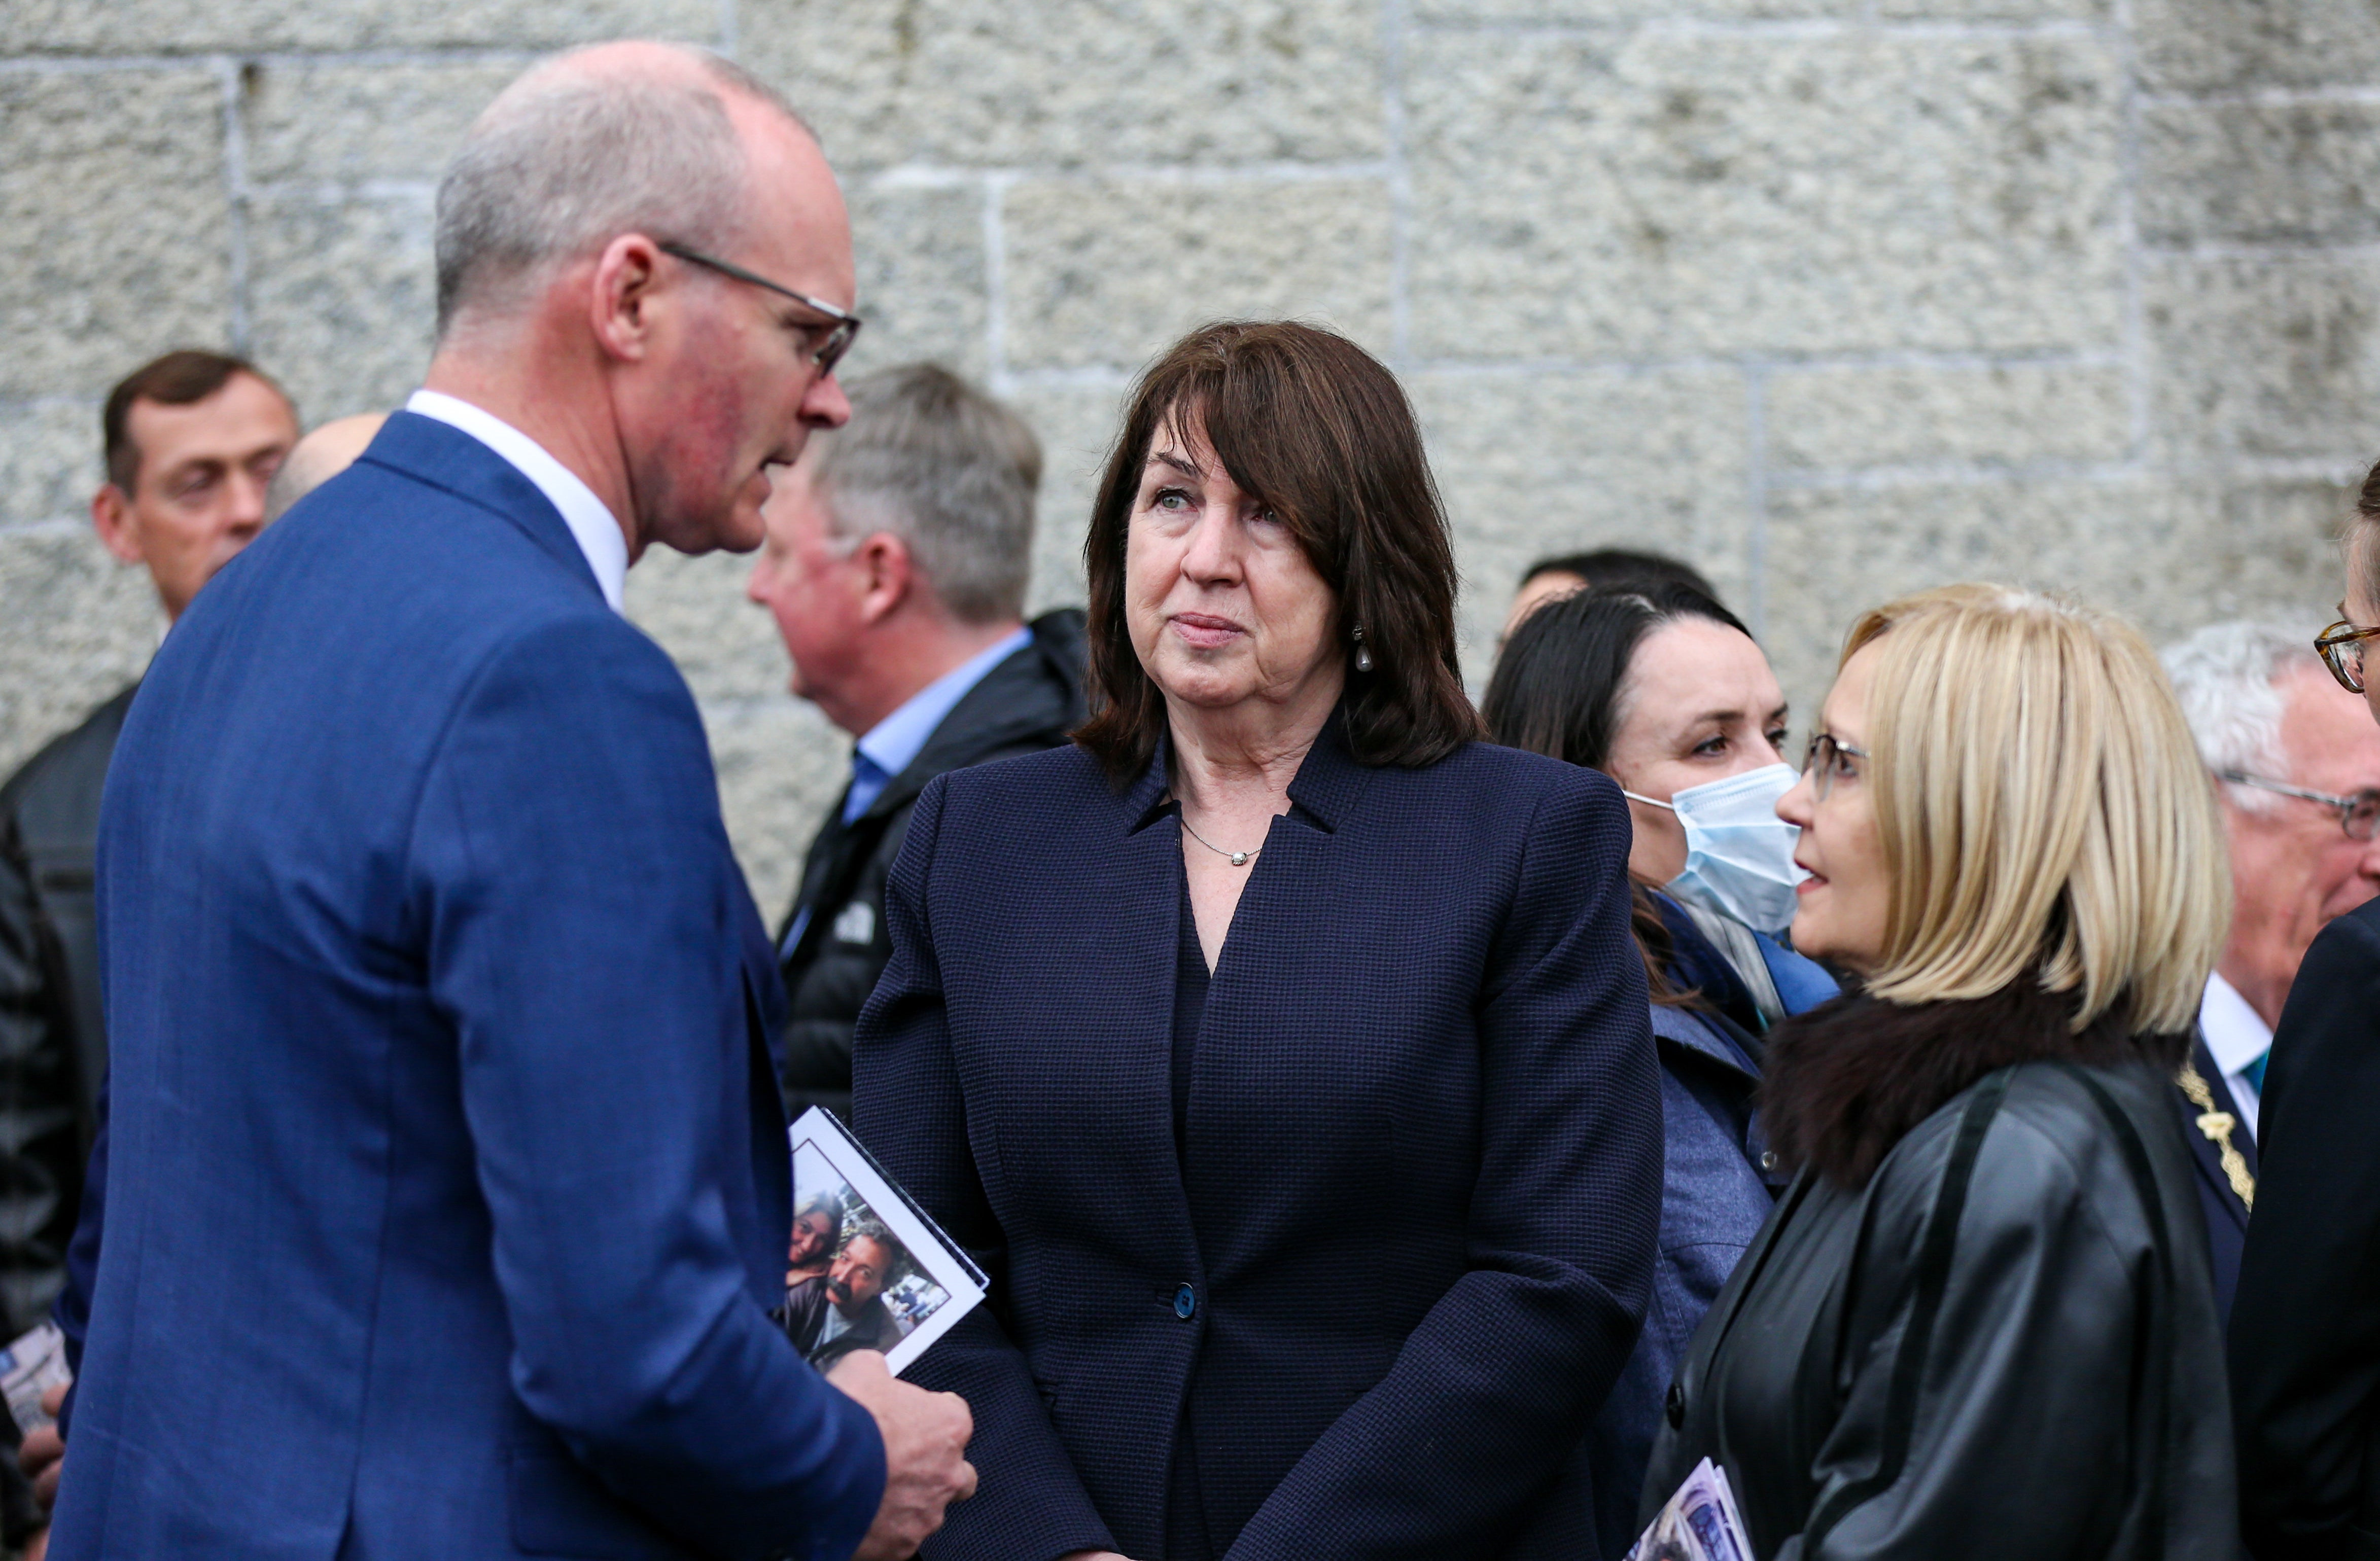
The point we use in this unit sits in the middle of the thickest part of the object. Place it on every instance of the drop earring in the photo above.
(1363, 651)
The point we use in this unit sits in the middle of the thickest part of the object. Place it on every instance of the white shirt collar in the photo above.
(2236, 1034)
(591, 522)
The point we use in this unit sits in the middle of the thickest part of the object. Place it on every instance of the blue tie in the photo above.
(2254, 1072)
(869, 780)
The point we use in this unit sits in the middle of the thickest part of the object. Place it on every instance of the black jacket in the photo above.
(2305, 1327)
(1373, 1294)
(1980, 1323)
(1025, 704)
(53, 1045)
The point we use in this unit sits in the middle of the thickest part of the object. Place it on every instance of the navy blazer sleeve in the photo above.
(1029, 1503)
(576, 934)
(1561, 1233)
(2305, 1323)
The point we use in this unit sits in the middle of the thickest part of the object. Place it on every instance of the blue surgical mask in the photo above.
(1739, 854)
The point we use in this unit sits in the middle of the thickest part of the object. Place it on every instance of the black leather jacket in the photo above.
(1025, 704)
(2003, 1345)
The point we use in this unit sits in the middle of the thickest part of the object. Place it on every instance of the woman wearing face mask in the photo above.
(1661, 688)
(1979, 1323)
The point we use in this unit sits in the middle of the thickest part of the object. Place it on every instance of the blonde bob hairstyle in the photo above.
(2040, 809)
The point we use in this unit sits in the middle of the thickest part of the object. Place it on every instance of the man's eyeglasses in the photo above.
(2359, 816)
(2342, 652)
(1830, 760)
(830, 342)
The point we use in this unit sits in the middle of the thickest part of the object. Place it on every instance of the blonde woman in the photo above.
(1980, 1322)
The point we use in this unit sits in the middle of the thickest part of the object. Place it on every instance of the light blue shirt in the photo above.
(894, 743)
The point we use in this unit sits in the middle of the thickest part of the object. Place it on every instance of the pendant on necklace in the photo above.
(1239, 859)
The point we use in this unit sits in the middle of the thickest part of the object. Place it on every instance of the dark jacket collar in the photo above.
(1845, 1082)
(443, 456)
(1324, 791)
(1034, 696)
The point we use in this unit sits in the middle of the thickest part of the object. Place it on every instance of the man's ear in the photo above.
(891, 576)
(111, 516)
(621, 294)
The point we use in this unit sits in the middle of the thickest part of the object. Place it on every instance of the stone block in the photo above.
(115, 242)
(2019, 12)
(75, 627)
(1107, 273)
(343, 298)
(1664, 192)
(1077, 423)
(49, 462)
(2259, 172)
(73, 26)
(1531, 464)
(2168, 554)
(984, 83)
(919, 252)
(319, 122)
(727, 646)
(2267, 357)
(781, 766)
(2209, 46)
(1839, 416)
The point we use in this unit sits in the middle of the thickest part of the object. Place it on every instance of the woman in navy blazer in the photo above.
(1281, 1050)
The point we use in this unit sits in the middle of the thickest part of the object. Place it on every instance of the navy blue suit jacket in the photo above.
(446, 1186)
(1408, 1243)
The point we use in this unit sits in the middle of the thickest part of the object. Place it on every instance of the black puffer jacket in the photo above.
(1980, 1323)
(1025, 704)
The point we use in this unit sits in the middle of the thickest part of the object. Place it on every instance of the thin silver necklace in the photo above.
(1239, 858)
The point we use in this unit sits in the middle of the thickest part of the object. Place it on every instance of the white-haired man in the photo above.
(446, 1187)
(2297, 762)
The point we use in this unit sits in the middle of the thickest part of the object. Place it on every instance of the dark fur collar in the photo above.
(1845, 1082)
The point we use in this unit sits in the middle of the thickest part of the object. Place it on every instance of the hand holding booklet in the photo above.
(866, 1267)
(1699, 1522)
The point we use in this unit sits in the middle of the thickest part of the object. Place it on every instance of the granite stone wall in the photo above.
(1836, 297)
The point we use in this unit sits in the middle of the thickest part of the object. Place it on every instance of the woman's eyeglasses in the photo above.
(1830, 760)
(2342, 652)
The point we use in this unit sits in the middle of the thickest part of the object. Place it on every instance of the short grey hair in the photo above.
(953, 473)
(2228, 677)
(565, 160)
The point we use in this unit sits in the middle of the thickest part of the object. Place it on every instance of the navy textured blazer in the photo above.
(446, 1186)
(1407, 1245)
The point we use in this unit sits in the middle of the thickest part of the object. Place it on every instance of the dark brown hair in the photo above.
(2363, 534)
(1557, 691)
(178, 379)
(1317, 429)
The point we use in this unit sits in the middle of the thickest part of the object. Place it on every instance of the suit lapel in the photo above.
(2219, 1140)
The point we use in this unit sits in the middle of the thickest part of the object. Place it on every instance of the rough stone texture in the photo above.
(979, 83)
(1665, 192)
(1530, 463)
(345, 294)
(2290, 173)
(112, 239)
(1110, 271)
(1836, 297)
(49, 459)
(2206, 45)
(1895, 416)
(2265, 358)
(77, 27)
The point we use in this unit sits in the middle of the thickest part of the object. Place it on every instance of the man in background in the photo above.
(895, 566)
(2297, 762)
(190, 439)
(317, 459)
(1561, 573)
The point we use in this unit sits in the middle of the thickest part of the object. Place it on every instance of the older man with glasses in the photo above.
(2298, 759)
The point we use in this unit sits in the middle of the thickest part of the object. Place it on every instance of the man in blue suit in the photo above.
(446, 1186)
